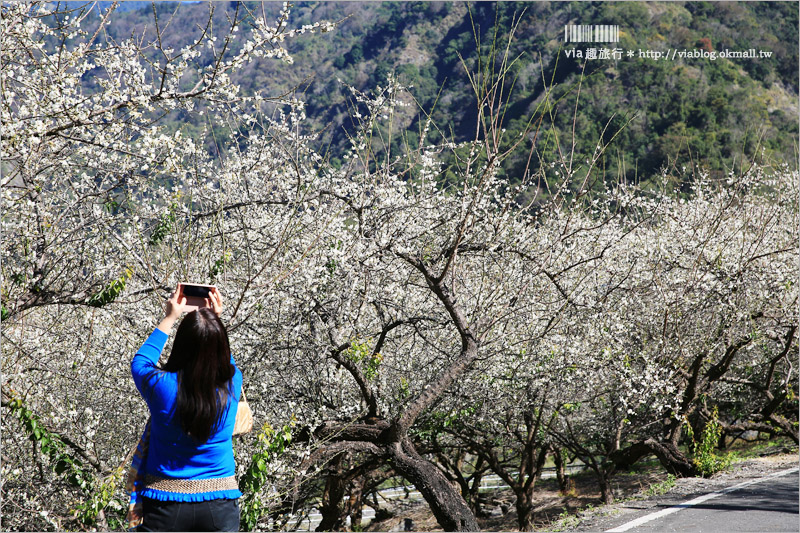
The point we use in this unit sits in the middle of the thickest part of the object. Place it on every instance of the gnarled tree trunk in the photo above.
(671, 458)
(355, 504)
(332, 495)
(444, 499)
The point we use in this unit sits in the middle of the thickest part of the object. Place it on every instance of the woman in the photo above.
(190, 471)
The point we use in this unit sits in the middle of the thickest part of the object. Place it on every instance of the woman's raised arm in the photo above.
(172, 310)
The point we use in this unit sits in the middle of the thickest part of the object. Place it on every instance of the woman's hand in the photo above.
(174, 306)
(215, 301)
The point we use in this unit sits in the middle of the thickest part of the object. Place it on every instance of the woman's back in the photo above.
(173, 453)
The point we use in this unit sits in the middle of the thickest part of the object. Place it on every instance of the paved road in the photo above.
(768, 506)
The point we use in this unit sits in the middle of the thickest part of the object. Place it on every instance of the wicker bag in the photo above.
(244, 417)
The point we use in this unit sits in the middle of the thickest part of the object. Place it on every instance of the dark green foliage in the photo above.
(164, 226)
(271, 444)
(219, 266)
(68, 466)
(61, 461)
(111, 291)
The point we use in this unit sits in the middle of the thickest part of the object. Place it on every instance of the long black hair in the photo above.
(201, 356)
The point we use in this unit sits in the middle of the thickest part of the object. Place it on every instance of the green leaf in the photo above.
(61, 466)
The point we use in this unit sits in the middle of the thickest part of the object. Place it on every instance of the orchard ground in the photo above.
(581, 510)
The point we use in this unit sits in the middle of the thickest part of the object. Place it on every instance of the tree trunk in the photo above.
(332, 498)
(561, 473)
(473, 494)
(445, 500)
(355, 504)
(785, 425)
(671, 458)
(722, 441)
(606, 491)
(524, 507)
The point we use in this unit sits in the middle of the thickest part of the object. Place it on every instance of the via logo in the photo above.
(588, 33)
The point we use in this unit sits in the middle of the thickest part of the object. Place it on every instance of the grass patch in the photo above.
(751, 449)
(657, 489)
(565, 521)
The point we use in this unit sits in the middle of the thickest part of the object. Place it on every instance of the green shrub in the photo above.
(704, 457)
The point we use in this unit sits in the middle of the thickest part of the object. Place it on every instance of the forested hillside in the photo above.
(714, 113)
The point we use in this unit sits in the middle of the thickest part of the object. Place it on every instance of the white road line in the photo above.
(700, 499)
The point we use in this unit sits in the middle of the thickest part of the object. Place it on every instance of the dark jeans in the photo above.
(212, 515)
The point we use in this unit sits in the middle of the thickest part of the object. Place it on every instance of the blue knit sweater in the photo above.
(172, 454)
